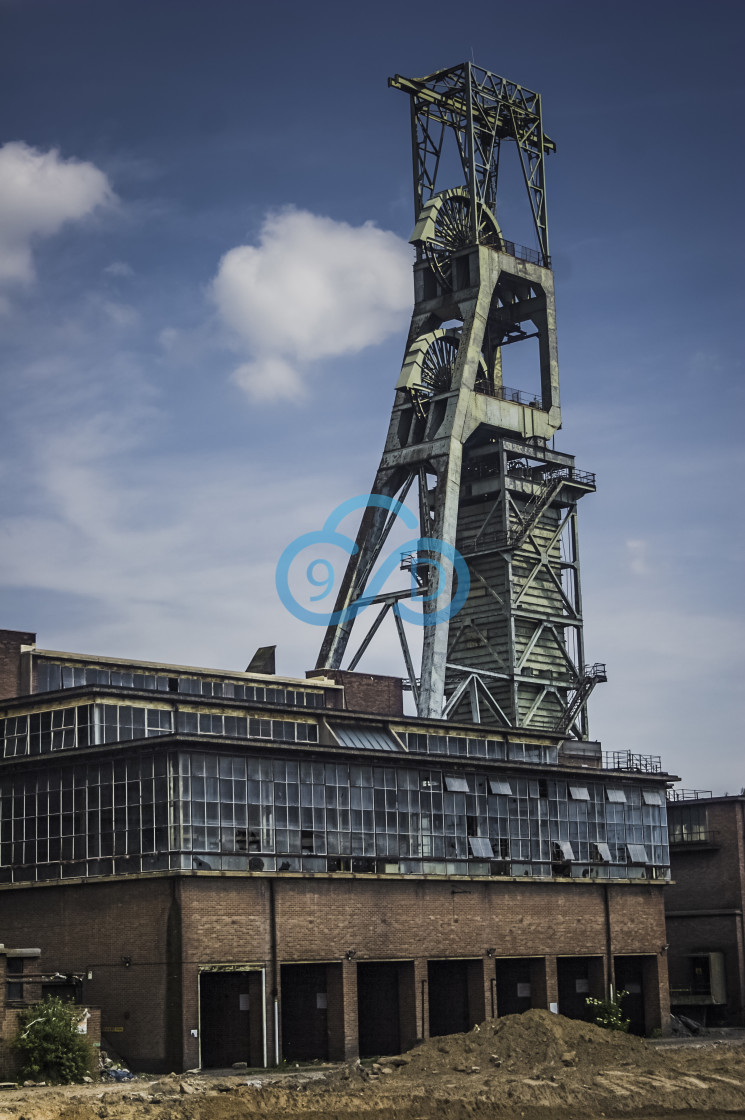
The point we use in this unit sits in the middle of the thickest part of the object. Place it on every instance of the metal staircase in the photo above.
(592, 675)
(534, 508)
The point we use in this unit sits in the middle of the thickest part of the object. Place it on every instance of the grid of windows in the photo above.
(52, 676)
(93, 724)
(466, 746)
(14, 987)
(688, 824)
(152, 810)
(81, 726)
(91, 818)
(304, 813)
(242, 727)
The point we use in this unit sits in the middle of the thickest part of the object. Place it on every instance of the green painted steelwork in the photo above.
(489, 482)
(482, 111)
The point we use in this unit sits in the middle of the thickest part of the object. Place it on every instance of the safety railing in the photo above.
(504, 393)
(688, 794)
(520, 252)
(633, 763)
(517, 469)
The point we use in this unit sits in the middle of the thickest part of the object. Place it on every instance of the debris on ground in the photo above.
(535, 1066)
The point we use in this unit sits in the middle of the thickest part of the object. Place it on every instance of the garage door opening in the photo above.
(378, 1008)
(456, 995)
(630, 978)
(578, 978)
(518, 987)
(231, 1018)
(304, 1012)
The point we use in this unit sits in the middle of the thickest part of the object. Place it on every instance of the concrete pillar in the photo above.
(421, 984)
(656, 995)
(476, 992)
(408, 1018)
(544, 987)
(273, 1021)
(342, 1011)
(552, 982)
(597, 975)
(490, 987)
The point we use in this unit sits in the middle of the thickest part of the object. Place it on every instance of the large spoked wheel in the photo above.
(450, 229)
(438, 363)
(430, 367)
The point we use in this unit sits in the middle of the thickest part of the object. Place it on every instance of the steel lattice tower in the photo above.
(477, 451)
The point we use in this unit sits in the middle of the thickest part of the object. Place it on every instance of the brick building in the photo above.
(240, 866)
(704, 907)
(22, 982)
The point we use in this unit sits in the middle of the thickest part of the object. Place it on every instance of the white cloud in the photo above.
(636, 552)
(120, 314)
(119, 268)
(132, 544)
(39, 192)
(168, 338)
(269, 378)
(312, 288)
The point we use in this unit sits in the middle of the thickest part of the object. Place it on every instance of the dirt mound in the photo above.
(533, 1042)
(535, 1066)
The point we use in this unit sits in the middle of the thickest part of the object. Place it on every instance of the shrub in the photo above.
(50, 1046)
(610, 1014)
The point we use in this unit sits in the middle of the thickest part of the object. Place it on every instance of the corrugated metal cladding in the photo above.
(364, 738)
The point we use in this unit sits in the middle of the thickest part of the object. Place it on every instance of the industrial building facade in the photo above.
(239, 867)
(242, 867)
(705, 906)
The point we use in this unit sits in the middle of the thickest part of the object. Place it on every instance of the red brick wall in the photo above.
(171, 927)
(90, 927)
(10, 661)
(712, 882)
(711, 879)
(365, 692)
(9, 1058)
(324, 919)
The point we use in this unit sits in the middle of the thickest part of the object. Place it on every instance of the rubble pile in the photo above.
(535, 1066)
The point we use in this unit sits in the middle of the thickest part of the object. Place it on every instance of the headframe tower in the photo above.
(478, 452)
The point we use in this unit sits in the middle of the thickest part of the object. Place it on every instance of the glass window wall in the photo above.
(223, 810)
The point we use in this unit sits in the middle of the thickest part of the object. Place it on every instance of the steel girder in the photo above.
(475, 452)
(482, 111)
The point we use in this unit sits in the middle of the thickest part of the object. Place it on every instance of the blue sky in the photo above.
(195, 369)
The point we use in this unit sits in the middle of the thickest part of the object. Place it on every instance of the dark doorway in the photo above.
(630, 978)
(448, 997)
(231, 1018)
(578, 978)
(69, 992)
(378, 1008)
(304, 1012)
(514, 985)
